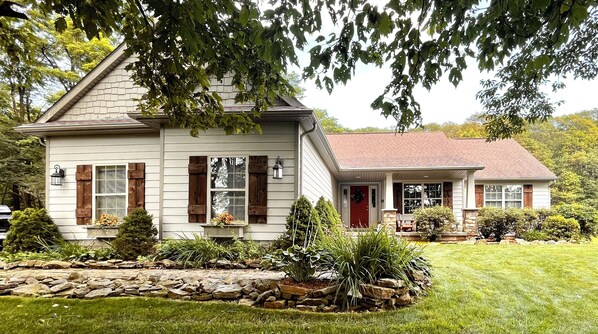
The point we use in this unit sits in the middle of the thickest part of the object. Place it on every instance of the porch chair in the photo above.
(404, 225)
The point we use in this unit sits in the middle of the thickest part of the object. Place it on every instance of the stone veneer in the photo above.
(470, 224)
(389, 221)
(251, 287)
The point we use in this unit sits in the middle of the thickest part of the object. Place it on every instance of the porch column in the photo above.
(470, 203)
(389, 214)
(388, 195)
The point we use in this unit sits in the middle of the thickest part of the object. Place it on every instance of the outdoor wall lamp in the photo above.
(277, 169)
(57, 176)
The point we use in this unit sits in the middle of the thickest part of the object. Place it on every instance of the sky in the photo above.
(350, 104)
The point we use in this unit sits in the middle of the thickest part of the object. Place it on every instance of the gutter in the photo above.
(314, 126)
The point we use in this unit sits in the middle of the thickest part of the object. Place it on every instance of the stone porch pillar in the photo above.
(389, 213)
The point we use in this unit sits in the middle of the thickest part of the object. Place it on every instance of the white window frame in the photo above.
(93, 187)
(422, 192)
(209, 185)
(503, 199)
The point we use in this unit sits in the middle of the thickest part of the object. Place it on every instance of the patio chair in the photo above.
(404, 225)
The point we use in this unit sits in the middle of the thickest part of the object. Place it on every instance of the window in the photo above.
(228, 187)
(111, 191)
(503, 196)
(421, 195)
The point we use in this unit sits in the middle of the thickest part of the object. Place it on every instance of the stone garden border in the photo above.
(245, 287)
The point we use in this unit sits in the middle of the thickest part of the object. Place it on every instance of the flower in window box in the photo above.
(225, 219)
(106, 220)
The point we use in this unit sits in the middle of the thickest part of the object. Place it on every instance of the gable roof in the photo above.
(504, 159)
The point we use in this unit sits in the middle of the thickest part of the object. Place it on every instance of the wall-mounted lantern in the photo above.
(57, 176)
(277, 169)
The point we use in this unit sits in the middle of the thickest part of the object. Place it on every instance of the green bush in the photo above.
(496, 222)
(136, 235)
(369, 257)
(196, 252)
(561, 228)
(302, 226)
(586, 216)
(29, 230)
(530, 221)
(330, 220)
(299, 263)
(432, 222)
(73, 251)
(534, 235)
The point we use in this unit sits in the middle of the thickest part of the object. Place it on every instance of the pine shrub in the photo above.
(30, 230)
(302, 226)
(330, 220)
(136, 235)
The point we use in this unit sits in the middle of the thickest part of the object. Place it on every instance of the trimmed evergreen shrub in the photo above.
(561, 228)
(330, 220)
(302, 227)
(30, 230)
(136, 235)
(586, 216)
(496, 222)
(432, 222)
(529, 222)
(534, 235)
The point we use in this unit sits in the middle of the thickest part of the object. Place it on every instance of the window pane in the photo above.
(433, 190)
(412, 191)
(228, 173)
(232, 202)
(513, 192)
(114, 205)
(111, 180)
(494, 204)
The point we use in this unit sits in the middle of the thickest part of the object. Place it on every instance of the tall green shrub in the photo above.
(30, 230)
(561, 228)
(329, 218)
(586, 216)
(136, 236)
(432, 222)
(302, 227)
(496, 222)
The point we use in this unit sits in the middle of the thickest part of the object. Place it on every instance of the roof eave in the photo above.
(75, 129)
(398, 169)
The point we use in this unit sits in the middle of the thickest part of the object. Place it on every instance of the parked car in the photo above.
(4, 224)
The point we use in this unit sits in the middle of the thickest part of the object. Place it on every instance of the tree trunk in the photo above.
(16, 198)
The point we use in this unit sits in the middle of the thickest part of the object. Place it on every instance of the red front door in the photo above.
(360, 213)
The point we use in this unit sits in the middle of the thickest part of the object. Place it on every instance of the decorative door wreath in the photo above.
(358, 196)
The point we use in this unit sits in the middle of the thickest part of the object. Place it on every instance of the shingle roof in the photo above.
(504, 159)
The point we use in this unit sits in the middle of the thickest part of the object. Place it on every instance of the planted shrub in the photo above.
(534, 235)
(369, 257)
(496, 222)
(529, 222)
(330, 220)
(299, 263)
(561, 228)
(432, 222)
(302, 226)
(136, 235)
(29, 230)
(586, 216)
(196, 252)
(73, 251)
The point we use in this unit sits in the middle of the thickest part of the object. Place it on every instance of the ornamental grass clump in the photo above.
(136, 235)
(369, 257)
(29, 230)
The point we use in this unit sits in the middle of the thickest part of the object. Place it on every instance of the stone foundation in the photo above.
(244, 287)
(470, 224)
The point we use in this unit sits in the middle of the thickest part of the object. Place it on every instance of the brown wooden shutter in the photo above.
(397, 197)
(136, 186)
(479, 195)
(528, 196)
(258, 189)
(84, 195)
(447, 194)
(198, 192)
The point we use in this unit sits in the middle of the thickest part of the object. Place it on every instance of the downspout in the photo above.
(301, 156)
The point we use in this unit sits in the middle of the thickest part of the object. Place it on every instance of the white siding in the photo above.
(276, 140)
(68, 152)
(458, 200)
(317, 179)
(111, 98)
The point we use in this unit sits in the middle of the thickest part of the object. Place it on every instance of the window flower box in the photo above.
(224, 231)
(102, 232)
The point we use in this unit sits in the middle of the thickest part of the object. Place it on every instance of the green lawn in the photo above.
(477, 289)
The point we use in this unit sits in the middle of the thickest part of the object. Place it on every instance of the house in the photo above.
(109, 158)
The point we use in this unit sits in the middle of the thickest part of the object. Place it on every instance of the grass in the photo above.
(477, 289)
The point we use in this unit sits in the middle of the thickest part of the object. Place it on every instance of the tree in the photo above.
(181, 44)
